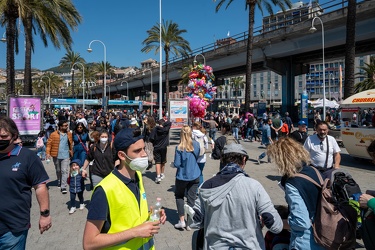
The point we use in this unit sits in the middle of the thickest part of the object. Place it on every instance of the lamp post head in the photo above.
(89, 50)
(3, 39)
(312, 29)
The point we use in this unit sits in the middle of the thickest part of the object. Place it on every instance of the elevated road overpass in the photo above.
(287, 51)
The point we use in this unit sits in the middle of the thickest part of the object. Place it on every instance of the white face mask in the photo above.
(103, 140)
(74, 173)
(138, 164)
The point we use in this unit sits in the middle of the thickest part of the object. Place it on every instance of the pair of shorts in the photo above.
(160, 155)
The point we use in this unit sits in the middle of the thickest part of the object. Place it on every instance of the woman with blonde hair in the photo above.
(300, 194)
(187, 174)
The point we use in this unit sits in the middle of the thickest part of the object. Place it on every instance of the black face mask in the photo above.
(4, 144)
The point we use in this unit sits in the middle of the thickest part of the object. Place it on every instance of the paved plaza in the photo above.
(67, 230)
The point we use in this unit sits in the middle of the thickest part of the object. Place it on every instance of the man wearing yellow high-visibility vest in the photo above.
(118, 217)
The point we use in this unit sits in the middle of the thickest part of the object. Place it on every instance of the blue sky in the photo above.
(122, 26)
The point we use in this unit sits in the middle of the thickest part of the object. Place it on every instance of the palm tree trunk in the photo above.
(249, 57)
(350, 49)
(27, 88)
(166, 80)
(10, 35)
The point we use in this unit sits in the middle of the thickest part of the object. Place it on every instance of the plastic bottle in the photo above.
(155, 216)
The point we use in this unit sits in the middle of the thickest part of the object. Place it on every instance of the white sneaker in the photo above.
(180, 225)
(258, 161)
(162, 176)
(81, 206)
(72, 210)
(157, 180)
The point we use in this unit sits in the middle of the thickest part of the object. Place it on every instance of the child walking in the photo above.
(76, 185)
(40, 145)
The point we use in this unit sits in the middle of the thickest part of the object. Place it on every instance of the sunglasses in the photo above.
(79, 127)
(321, 146)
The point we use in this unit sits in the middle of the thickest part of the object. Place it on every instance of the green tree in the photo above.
(368, 72)
(69, 60)
(250, 5)
(9, 11)
(49, 18)
(52, 19)
(350, 48)
(172, 42)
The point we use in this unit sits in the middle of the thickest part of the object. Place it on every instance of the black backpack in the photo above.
(344, 187)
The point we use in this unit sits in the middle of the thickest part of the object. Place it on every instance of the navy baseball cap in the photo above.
(126, 137)
(301, 123)
(78, 161)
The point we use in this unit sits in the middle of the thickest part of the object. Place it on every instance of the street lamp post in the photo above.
(83, 83)
(105, 71)
(49, 89)
(109, 92)
(160, 67)
(312, 30)
(332, 78)
(127, 89)
(152, 93)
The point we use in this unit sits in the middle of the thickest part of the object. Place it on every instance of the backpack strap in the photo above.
(311, 179)
(325, 164)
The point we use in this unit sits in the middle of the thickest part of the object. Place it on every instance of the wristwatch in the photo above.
(44, 213)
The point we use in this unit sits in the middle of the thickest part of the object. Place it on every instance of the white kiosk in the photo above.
(355, 134)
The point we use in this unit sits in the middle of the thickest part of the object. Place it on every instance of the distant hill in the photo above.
(59, 70)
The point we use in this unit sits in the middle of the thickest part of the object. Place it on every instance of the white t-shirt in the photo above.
(318, 151)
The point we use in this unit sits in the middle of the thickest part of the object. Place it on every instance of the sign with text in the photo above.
(179, 113)
(26, 113)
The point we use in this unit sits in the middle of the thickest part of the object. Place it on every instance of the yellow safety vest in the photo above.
(124, 211)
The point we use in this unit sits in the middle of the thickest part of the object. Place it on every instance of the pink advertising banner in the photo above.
(26, 113)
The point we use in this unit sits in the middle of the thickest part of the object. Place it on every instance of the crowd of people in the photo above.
(114, 148)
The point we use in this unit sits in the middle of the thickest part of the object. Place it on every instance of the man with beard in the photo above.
(321, 144)
(60, 147)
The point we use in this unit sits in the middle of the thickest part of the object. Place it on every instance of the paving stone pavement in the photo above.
(67, 230)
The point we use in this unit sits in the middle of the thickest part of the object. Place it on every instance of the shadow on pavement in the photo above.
(273, 177)
(172, 216)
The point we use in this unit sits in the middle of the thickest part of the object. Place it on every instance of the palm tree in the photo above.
(52, 19)
(51, 84)
(250, 5)
(9, 11)
(172, 42)
(69, 60)
(350, 48)
(368, 72)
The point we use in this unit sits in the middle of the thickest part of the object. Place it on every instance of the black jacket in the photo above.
(160, 135)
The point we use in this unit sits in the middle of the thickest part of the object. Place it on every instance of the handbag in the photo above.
(149, 148)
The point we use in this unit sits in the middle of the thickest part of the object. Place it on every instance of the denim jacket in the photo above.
(302, 237)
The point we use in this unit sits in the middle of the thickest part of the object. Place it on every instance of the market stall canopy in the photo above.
(330, 104)
(363, 99)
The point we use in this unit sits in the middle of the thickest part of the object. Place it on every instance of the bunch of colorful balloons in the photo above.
(201, 89)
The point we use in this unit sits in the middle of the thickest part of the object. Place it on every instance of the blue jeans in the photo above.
(201, 166)
(212, 133)
(250, 132)
(11, 240)
(235, 132)
(80, 154)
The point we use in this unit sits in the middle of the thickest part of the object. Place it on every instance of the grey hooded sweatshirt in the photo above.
(230, 214)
